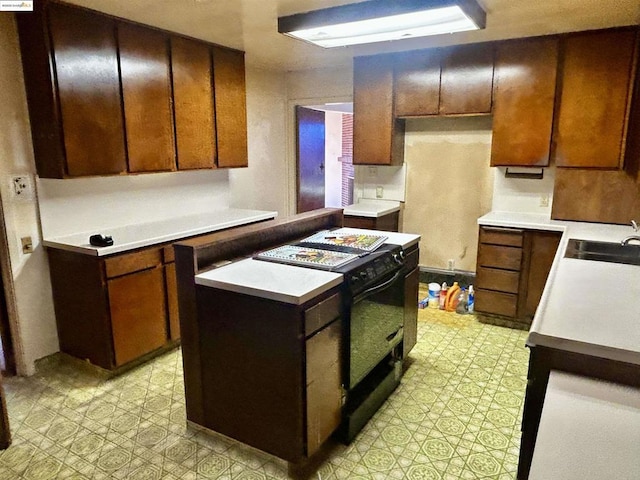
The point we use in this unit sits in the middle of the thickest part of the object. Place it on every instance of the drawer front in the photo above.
(501, 280)
(323, 350)
(496, 303)
(501, 236)
(132, 262)
(497, 256)
(321, 314)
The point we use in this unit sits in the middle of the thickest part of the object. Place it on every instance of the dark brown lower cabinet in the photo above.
(411, 282)
(271, 371)
(112, 310)
(388, 222)
(512, 269)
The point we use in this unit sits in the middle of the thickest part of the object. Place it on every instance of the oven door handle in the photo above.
(377, 288)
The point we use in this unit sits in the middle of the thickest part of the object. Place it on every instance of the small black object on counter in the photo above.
(100, 240)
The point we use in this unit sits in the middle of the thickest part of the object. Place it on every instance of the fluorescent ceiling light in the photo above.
(382, 20)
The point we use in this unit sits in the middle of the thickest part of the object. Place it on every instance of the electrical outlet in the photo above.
(544, 200)
(451, 264)
(21, 186)
(379, 191)
(27, 245)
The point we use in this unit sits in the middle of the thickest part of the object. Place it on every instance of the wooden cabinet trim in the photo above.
(132, 262)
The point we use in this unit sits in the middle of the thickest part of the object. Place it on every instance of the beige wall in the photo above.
(31, 307)
(449, 185)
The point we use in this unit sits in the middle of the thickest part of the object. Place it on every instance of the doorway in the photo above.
(324, 146)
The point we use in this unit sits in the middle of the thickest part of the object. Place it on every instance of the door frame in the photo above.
(291, 135)
(10, 348)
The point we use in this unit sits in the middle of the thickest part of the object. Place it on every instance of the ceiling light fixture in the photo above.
(383, 20)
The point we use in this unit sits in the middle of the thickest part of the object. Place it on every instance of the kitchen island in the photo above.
(586, 322)
(266, 345)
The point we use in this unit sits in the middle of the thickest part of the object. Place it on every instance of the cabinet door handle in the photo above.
(502, 229)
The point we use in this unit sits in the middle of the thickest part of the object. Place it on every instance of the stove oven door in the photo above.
(375, 326)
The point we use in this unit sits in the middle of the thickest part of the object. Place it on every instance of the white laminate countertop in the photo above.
(274, 281)
(372, 208)
(129, 237)
(587, 307)
(589, 430)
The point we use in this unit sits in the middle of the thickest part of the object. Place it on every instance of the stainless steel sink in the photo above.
(603, 251)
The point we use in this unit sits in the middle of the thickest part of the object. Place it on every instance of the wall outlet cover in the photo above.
(379, 191)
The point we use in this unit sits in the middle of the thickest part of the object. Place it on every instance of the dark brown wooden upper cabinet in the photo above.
(417, 83)
(146, 89)
(231, 107)
(193, 104)
(596, 84)
(523, 102)
(378, 137)
(466, 81)
(86, 69)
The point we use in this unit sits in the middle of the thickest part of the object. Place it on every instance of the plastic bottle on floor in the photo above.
(461, 307)
(471, 299)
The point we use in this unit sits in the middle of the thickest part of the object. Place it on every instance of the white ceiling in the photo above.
(251, 25)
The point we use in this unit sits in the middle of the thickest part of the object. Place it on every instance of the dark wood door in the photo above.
(596, 79)
(378, 138)
(231, 107)
(311, 157)
(86, 55)
(193, 104)
(467, 80)
(146, 88)
(523, 102)
(138, 316)
(543, 247)
(417, 83)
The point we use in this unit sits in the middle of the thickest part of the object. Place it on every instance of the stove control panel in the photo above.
(372, 272)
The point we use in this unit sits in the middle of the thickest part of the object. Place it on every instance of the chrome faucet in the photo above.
(630, 238)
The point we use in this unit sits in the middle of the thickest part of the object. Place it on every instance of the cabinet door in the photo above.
(172, 300)
(378, 138)
(324, 386)
(193, 104)
(410, 328)
(596, 79)
(146, 89)
(86, 66)
(467, 80)
(523, 101)
(543, 247)
(138, 317)
(231, 107)
(417, 83)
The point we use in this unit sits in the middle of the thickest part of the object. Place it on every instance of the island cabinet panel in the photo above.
(417, 83)
(86, 70)
(523, 102)
(146, 89)
(593, 101)
(378, 137)
(410, 326)
(466, 82)
(193, 104)
(512, 270)
(264, 382)
(230, 107)
(137, 307)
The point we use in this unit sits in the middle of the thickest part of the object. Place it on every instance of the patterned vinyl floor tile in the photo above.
(456, 415)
